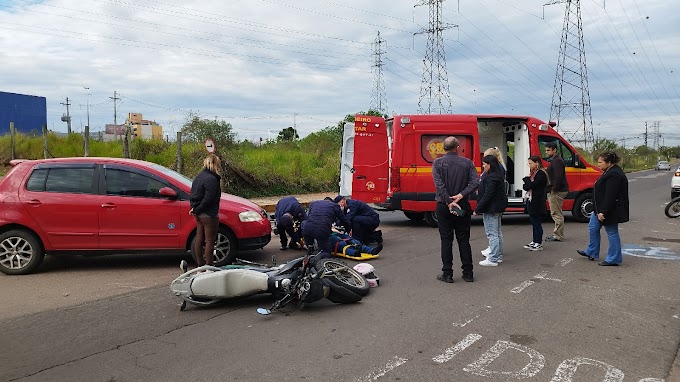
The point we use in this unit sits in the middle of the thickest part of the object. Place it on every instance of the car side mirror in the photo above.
(167, 192)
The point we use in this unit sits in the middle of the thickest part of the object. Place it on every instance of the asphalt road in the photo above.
(540, 316)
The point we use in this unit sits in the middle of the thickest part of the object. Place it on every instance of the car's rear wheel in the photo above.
(21, 252)
(225, 248)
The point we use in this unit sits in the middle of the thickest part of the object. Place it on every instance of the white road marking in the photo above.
(391, 365)
(536, 362)
(524, 285)
(565, 261)
(462, 324)
(676, 316)
(567, 369)
(541, 276)
(457, 348)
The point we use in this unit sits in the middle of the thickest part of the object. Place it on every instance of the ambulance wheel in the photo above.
(415, 216)
(431, 219)
(583, 207)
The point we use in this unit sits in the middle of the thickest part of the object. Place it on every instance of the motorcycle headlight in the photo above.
(249, 216)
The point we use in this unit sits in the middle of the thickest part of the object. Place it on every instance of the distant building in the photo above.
(28, 112)
(139, 128)
(143, 128)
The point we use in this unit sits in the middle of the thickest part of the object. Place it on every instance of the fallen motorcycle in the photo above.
(303, 280)
(673, 208)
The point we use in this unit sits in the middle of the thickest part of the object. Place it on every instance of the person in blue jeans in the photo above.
(345, 244)
(610, 195)
(491, 202)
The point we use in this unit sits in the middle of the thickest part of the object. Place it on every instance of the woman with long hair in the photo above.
(205, 206)
(535, 198)
(491, 202)
(610, 195)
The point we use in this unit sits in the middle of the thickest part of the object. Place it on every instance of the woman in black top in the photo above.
(491, 201)
(610, 195)
(205, 206)
(535, 198)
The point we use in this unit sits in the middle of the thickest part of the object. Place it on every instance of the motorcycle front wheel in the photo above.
(673, 208)
(344, 275)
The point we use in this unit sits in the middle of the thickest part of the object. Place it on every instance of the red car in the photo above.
(109, 206)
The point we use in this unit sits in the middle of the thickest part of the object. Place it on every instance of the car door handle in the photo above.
(361, 176)
(34, 202)
(108, 205)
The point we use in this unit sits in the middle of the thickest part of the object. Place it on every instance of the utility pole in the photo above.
(570, 94)
(87, 127)
(295, 134)
(379, 97)
(67, 118)
(646, 135)
(434, 88)
(115, 112)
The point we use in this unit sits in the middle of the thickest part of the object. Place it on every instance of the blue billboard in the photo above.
(29, 113)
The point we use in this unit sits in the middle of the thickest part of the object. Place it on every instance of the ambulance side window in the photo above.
(432, 146)
(570, 158)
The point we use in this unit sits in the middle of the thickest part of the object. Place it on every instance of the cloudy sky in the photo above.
(264, 65)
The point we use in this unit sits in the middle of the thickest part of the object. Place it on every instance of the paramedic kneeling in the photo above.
(288, 211)
(320, 218)
(362, 217)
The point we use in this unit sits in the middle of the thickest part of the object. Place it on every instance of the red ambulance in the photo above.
(388, 162)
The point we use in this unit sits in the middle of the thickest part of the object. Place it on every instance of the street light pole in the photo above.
(87, 127)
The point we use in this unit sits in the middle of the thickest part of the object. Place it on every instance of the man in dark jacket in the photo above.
(455, 178)
(362, 217)
(557, 190)
(288, 211)
(320, 218)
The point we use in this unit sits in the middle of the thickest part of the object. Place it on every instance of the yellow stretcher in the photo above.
(364, 255)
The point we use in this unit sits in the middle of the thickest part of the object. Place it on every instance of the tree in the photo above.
(288, 134)
(602, 145)
(197, 129)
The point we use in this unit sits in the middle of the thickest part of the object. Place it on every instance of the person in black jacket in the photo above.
(610, 195)
(205, 205)
(320, 218)
(362, 217)
(288, 211)
(557, 190)
(492, 201)
(535, 196)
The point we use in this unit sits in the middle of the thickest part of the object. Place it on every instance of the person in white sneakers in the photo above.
(491, 202)
(534, 198)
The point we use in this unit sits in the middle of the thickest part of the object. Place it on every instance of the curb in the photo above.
(674, 373)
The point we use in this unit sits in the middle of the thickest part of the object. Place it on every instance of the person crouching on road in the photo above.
(491, 202)
(535, 198)
(362, 217)
(288, 211)
(320, 218)
(205, 206)
(610, 194)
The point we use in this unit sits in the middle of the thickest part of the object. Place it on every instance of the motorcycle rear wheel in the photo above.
(344, 275)
(673, 208)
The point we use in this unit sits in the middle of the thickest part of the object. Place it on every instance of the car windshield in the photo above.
(172, 174)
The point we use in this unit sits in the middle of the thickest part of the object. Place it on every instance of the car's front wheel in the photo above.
(21, 252)
(225, 248)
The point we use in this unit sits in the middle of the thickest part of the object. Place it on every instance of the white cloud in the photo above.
(265, 65)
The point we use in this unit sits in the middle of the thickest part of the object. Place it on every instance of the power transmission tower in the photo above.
(67, 118)
(655, 135)
(571, 97)
(378, 95)
(434, 89)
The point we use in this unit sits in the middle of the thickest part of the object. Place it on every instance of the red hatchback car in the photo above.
(109, 206)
